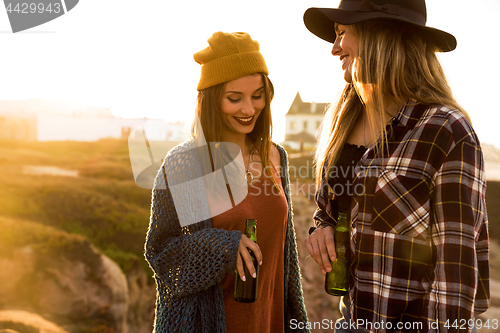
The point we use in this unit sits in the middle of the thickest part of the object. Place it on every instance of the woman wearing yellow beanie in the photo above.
(228, 172)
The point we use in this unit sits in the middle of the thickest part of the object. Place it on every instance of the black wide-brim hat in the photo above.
(321, 21)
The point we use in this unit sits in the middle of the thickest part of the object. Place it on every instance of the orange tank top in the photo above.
(265, 204)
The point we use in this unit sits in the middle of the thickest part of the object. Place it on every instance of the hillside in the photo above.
(77, 200)
(56, 195)
(98, 200)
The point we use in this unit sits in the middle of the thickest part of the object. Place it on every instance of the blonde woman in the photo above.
(400, 156)
(195, 241)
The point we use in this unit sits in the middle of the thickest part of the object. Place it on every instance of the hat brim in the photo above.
(321, 22)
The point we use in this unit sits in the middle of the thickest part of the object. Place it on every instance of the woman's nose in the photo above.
(248, 107)
(336, 47)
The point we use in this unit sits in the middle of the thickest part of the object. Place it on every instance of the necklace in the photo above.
(248, 174)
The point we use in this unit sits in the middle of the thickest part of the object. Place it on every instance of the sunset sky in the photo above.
(137, 56)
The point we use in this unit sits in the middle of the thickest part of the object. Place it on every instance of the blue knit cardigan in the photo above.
(190, 261)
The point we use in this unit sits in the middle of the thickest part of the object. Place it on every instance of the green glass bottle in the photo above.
(246, 291)
(337, 280)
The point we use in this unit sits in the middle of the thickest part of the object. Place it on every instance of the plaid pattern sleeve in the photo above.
(324, 200)
(459, 235)
(419, 238)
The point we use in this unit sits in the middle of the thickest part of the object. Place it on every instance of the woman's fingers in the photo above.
(239, 266)
(255, 248)
(244, 257)
(330, 243)
(321, 246)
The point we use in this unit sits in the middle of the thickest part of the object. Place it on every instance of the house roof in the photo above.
(300, 107)
(304, 136)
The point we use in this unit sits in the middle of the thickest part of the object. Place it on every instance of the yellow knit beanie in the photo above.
(229, 56)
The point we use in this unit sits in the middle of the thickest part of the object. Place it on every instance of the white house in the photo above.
(42, 120)
(302, 122)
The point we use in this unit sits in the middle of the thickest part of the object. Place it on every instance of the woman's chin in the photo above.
(347, 76)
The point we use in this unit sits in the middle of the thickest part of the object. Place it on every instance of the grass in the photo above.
(18, 233)
(102, 205)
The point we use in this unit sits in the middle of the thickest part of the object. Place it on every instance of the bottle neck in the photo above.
(342, 235)
(251, 230)
(342, 223)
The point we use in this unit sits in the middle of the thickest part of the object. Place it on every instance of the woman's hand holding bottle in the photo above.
(321, 247)
(244, 256)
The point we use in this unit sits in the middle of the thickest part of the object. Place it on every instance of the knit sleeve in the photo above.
(189, 258)
(295, 311)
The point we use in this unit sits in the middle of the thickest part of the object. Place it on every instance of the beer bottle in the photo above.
(246, 291)
(337, 280)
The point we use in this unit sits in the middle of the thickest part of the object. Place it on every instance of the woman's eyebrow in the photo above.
(239, 92)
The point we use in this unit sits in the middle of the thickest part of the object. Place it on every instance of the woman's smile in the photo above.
(246, 121)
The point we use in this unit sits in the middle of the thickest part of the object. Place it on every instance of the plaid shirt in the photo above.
(419, 235)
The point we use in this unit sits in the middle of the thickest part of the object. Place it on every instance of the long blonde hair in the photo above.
(394, 58)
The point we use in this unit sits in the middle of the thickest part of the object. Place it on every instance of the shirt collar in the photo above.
(409, 115)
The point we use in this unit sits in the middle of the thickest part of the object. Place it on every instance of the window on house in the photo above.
(292, 125)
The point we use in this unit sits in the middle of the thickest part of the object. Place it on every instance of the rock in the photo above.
(142, 300)
(66, 280)
(13, 321)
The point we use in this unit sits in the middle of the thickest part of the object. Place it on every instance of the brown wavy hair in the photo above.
(213, 123)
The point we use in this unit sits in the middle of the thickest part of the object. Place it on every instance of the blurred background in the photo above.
(72, 90)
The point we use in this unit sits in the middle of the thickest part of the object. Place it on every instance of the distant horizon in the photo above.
(148, 70)
(277, 138)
